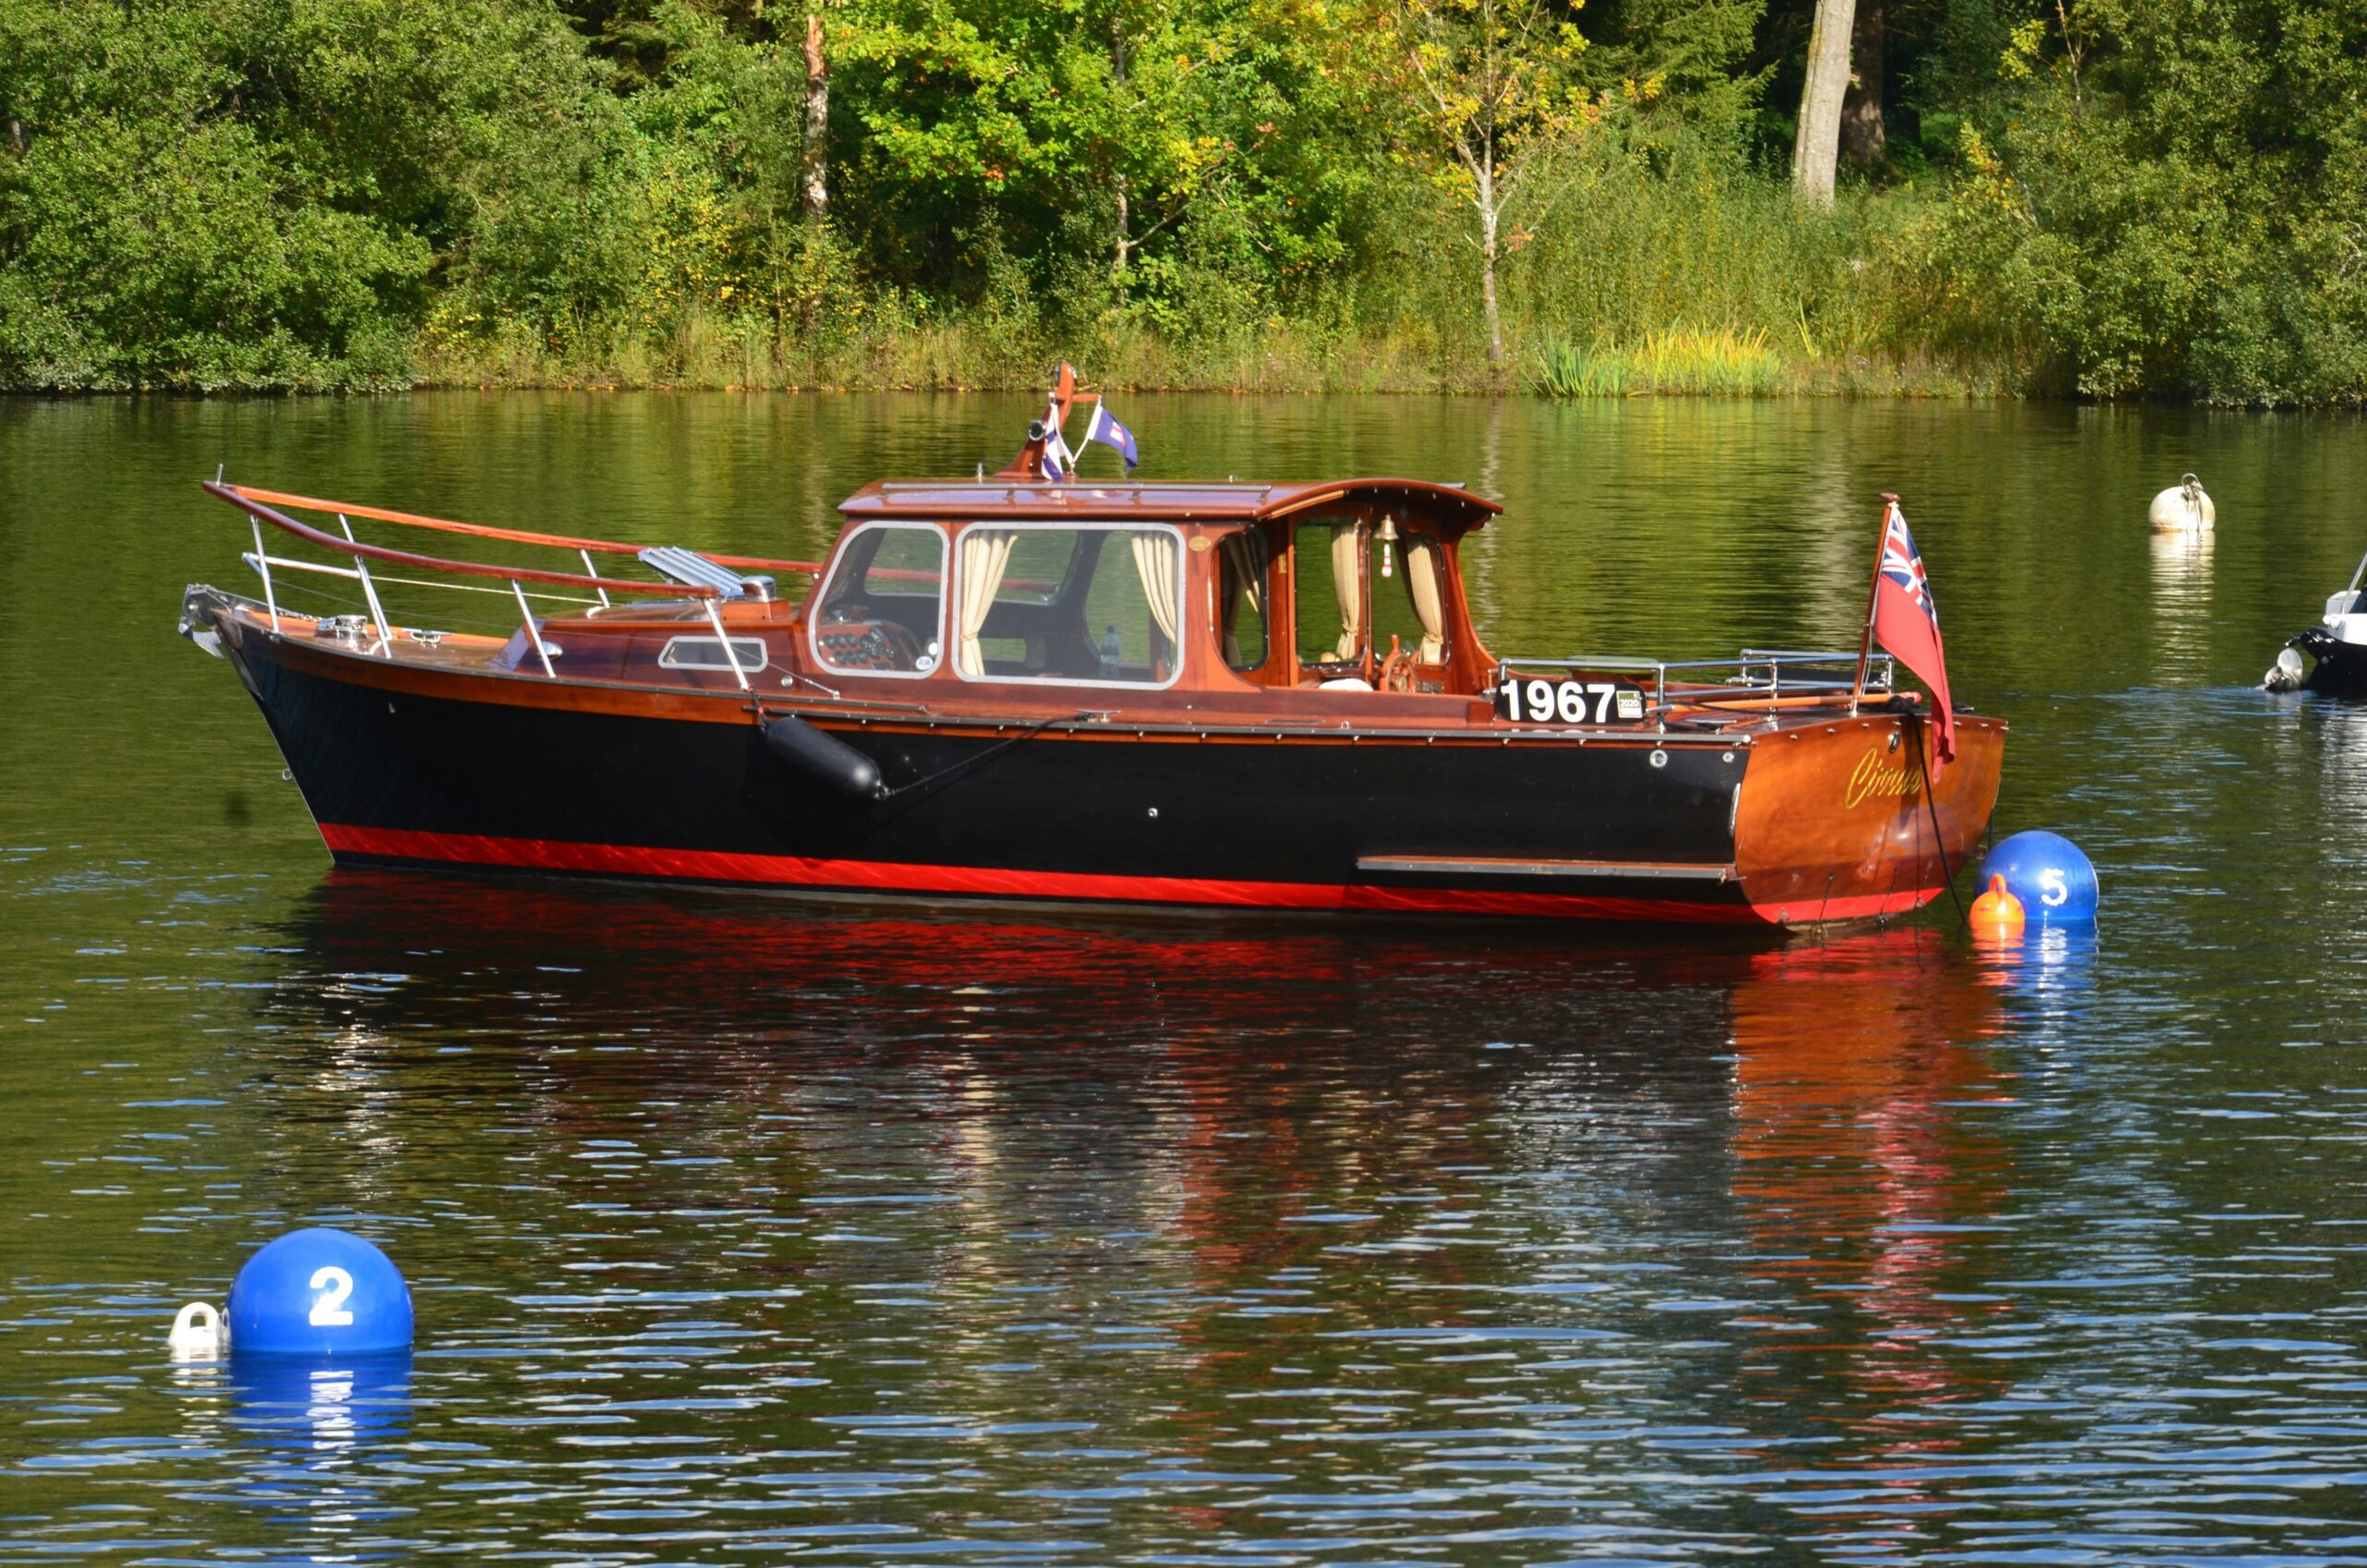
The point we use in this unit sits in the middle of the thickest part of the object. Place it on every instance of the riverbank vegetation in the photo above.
(2103, 198)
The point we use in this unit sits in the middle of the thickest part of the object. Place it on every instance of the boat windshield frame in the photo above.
(838, 563)
(1182, 641)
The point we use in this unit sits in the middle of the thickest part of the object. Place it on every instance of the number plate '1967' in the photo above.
(1568, 701)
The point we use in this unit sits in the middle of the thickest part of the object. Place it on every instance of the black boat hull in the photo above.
(493, 774)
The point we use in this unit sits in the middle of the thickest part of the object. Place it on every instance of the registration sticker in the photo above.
(1568, 701)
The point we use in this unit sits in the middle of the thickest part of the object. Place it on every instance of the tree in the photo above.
(813, 186)
(1816, 147)
(1864, 138)
(1491, 91)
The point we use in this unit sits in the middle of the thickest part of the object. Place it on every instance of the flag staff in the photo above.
(1866, 645)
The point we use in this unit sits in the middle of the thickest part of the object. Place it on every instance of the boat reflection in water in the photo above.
(1868, 1178)
(1167, 1030)
(1165, 1117)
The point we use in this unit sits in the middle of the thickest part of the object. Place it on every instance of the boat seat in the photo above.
(695, 570)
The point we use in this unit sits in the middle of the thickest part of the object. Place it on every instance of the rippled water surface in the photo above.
(744, 1231)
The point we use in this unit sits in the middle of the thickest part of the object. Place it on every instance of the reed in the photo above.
(1685, 360)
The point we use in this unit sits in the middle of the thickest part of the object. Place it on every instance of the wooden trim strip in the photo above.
(1454, 865)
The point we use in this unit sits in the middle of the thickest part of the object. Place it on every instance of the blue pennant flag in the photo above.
(1106, 429)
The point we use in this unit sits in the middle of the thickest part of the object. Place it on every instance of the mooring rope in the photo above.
(1939, 839)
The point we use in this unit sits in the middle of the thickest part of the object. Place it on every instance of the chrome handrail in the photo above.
(1744, 678)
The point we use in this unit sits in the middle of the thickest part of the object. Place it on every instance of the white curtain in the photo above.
(984, 553)
(1155, 562)
(1422, 582)
(1347, 585)
(1244, 577)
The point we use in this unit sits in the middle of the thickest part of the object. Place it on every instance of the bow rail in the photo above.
(263, 507)
(239, 494)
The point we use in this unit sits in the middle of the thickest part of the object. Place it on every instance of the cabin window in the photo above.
(706, 652)
(1241, 598)
(1084, 606)
(1409, 603)
(1360, 586)
(882, 611)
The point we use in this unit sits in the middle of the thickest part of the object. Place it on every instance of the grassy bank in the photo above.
(724, 354)
(1696, 280)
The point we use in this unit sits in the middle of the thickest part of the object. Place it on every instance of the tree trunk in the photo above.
(813, 186)
(1488, 215)
(1125, 241)
(1816, 146)
(1863, 142)
(1125, 233)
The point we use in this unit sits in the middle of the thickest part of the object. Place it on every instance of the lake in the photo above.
(743, 1231)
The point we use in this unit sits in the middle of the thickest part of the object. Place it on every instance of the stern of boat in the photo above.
(1841, 820)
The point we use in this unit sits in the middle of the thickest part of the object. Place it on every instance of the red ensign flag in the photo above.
(1907, 624)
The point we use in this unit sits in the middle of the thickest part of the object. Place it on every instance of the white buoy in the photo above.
(2184, 508)
(198, 1333)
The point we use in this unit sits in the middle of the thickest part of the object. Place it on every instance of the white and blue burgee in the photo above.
(1059, 461)
(318, 1293)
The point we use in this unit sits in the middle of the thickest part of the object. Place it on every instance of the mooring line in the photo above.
(1939, 839)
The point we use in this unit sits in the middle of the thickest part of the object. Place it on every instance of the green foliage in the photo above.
(2108, 198)
(2162, 199)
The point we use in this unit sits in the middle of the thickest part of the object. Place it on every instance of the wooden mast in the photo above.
(1029, 463)
(1866, 644)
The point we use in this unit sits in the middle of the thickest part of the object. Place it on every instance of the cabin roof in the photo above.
(962, 501)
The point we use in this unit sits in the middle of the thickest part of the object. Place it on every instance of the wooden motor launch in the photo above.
(1058, 689)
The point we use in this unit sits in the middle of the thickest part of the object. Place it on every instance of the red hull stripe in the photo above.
(863, 875)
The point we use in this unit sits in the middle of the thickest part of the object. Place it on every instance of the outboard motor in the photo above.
(824, 759)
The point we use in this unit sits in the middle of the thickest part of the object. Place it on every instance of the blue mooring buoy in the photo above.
(2046, 871)
(318, 1293)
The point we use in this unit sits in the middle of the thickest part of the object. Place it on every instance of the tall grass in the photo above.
(1726, 361)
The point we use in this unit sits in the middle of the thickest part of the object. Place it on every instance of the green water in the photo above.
(741, 1233)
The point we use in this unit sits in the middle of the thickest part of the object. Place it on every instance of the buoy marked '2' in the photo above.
(329, 1311)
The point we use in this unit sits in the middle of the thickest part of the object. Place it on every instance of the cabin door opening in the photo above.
(1368, 603)
(1328, 602)
(1245, 602)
